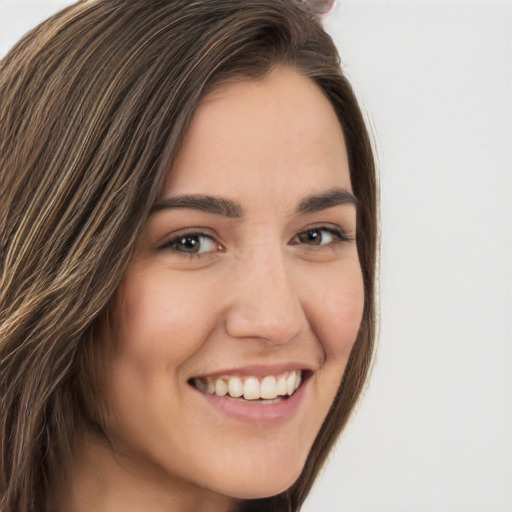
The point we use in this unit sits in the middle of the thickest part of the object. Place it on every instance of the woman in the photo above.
(188, 239)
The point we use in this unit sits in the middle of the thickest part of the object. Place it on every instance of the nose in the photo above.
(265, 302)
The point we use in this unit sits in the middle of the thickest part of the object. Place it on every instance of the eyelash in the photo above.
(337, 233)
(339, 236)
(171, 245)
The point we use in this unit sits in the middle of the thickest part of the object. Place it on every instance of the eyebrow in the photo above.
(333, 197)
(234, 210)
(208, 204)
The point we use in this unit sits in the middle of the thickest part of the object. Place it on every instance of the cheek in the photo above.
(161, 324)
(335, 319)
(339, 312)
(162, 321)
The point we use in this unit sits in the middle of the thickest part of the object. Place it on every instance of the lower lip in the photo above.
(254, 412)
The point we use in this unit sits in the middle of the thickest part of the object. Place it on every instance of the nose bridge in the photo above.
(265, 302)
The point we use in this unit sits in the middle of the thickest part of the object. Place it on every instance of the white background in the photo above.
(434, 430)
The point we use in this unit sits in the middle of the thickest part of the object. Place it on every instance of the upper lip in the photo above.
(258, 370)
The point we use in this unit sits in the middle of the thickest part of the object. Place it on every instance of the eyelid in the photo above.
(341, 235)
(173, 238)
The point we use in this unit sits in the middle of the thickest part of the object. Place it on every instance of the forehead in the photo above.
(256, 135)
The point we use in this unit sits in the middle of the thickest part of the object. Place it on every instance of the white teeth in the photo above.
(235, 387)
(221, 387)
(266, 389)
(251, 389)
(282, 387)
(298, 380)
(290, 383)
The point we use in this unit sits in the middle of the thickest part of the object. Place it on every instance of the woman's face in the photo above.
(247, 278)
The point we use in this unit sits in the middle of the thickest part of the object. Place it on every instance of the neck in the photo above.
(107, 481)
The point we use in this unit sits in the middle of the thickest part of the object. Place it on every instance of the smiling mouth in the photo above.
(265, 389)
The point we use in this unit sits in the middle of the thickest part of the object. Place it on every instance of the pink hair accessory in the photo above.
(319, 7)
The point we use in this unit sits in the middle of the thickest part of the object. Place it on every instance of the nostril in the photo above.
(274, 329)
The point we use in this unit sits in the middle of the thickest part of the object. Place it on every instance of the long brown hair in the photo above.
(94, 103)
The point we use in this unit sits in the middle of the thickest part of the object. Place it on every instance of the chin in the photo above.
(257, 483)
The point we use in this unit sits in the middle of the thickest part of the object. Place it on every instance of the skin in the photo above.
(261, 291)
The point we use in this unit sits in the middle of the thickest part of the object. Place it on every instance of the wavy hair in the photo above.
(94, 104)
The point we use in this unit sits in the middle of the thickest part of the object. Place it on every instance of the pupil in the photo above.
(312, 237)
(189, 244)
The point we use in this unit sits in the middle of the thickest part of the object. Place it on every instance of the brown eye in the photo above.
(321, 236)
(193, 244)
(316, 236)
